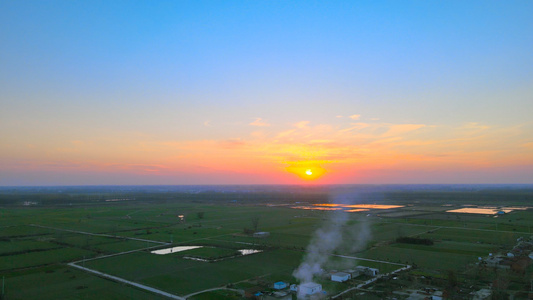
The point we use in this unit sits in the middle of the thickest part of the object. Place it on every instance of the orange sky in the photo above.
(356, 151)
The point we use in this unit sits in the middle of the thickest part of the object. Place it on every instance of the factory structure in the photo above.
(281, 290)
(350, 274)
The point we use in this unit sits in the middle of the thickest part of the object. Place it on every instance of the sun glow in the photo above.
(306, 171)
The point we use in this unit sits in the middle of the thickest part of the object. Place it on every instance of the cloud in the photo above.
(284, 134)
(301, 124)
(474, 126)
(259, 122)
(398, 129)
(232, 143)
(207, 123)
(355, 117)
(339, 116)
(355, 126)
(528, 145)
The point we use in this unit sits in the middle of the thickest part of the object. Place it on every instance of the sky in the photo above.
(265, 92)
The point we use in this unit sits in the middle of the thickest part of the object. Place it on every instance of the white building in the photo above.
(294, 288)
(372, 272)
(340, 277)
(309, 288)
(367, 271)
(353, 273)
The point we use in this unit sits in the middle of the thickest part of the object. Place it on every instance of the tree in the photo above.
(452, 279)
(255, 222)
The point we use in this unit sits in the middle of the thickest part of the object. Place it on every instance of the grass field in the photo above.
(61, 282)
(182, 276)
(29, 253)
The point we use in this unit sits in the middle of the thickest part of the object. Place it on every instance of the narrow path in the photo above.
(368, 259)
(121, 280)
(131, 213)
(213, 289)
(452, 227)
(116, 254)
(427, 231)
(101, 234)
(228, 241)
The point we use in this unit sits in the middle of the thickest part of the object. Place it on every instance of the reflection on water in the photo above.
(249, 251)
(487, 210)
(482, 211)
(367, 206)
(174, 249)
(196, 258)
(316, 208)
(519, 208)
(347, 207)
(356, 210)
(373, 206)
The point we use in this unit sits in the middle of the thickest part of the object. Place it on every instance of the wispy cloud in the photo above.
(259, 122)
(341, 148)
(398, 129)
(232, 143)
(475, 125)
(355, 117)
(528, 145)
(301, 124)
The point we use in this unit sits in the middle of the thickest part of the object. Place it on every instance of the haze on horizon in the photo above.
(260, 92)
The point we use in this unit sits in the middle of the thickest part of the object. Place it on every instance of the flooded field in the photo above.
(484, 210)
(174, 249)
(347, 207)
(249, 251)
(481, 211)
(316, 208)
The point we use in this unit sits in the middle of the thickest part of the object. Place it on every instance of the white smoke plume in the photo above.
(335, 234)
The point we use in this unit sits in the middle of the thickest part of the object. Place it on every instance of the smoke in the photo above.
(337, 234)
(325, 240)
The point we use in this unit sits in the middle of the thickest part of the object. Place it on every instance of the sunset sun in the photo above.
(308, 171)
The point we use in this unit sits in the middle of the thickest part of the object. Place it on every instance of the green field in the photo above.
(37, 242)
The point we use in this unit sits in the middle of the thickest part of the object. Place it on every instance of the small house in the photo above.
(340, 277)
(280, 285)
(372, 272)
(294, 288)
(367, 271)
(353, 273)
(309, 288)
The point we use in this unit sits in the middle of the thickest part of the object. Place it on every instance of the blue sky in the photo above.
(153, 73)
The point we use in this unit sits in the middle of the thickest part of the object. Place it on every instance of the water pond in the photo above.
(174, 249)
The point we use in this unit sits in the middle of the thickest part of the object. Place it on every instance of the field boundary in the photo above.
(101, 234)
(121, 280)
